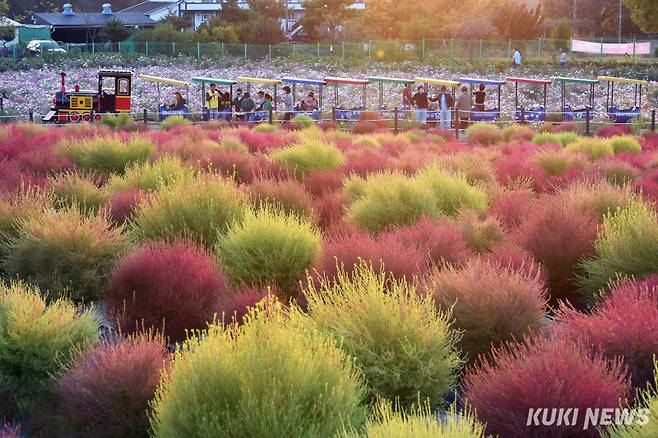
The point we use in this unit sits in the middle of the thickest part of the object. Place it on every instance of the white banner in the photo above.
(611, 48)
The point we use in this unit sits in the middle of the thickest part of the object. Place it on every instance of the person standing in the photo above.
(406, 96)
(421, 102)
(288, 103)
(446, 103)
(480, 96)
(259, 100)
(516, 58)
(248, 106)
(212, 102)
(237, 104)
(563, 58)
(464, 104)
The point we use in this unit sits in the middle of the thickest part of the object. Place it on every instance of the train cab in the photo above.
(114, 90)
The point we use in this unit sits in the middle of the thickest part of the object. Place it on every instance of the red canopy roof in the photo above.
(529, 81)
(347, 81)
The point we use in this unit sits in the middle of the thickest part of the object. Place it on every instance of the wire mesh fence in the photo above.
(540, 49)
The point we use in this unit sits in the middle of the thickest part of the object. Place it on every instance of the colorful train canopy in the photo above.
(252, 80)
(346, 81)
(431, 81)
(528, 81)
(303, 81)
(481, 81)
(390, 80)
(622, 80)
(561, 79)
(165, 81)
(204, 80)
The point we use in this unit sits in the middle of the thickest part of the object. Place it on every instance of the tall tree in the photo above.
(513, 20)
(114, 31)
(323, 17)
(268, 8)
(644, 14)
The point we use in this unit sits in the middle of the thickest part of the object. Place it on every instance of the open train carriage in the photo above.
(569, 113)
(165, 110)
(490, 114)
(348, 114)
(298, 82)
(536, 112)
(434, 116)
(623, 115)
(114, 95)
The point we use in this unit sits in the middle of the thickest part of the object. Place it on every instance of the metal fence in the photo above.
(541, 50)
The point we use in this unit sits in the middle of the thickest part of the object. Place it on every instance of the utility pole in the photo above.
(575, 6)
(619, 24)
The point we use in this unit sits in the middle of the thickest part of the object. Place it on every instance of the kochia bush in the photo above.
(65, 253)
(391, 331)
(106, 392)
(37, 341)
(261, 378)
(107, 154)
(269, 247)
(170, 287)
(547, 374)
(308, 156)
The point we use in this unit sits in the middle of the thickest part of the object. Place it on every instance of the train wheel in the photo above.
(86, 117)
(74, 117)
(98, 117)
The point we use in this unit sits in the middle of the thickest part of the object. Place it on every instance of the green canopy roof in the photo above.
(391, 80)
(575, 80)
(202, 80)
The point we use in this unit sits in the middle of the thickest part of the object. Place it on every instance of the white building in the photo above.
(202, 10)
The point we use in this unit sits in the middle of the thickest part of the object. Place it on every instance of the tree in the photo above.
(232, 13)
(114, 31)
(644, 13)
(178, 23)
(265, 30)
(268, 8)
(561, 32)
(513, 20)
(323, 17)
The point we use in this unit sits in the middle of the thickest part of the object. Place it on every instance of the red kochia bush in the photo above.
(441, 241)
(647, 186)
(346, 248)
(236, 306)
(558, 237)
(231, 164)
(289, 195)
(107, 391)
(625, 325)
(511, 207)
(542, 373)
(176, 286)
(649, 284)
(364, 161)
(517, 258)
(122, 205)
(330, 208)
(614, 130)
(320, 182)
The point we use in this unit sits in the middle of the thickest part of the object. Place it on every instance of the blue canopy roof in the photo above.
(292, 80)
(481, 81)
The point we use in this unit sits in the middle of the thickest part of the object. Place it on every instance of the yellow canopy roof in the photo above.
(250, 80)
(437, 82)
(166, 81)
(622, 80)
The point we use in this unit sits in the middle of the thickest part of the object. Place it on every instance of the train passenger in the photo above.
(248, 107)
(446, 103)
(421, 103)
(309, 103)
(480, 96)
(212, 102)
(237, 104)
(225, 105)
(259, 100)
(267, 104)
(179, 102)
(407, 96)
(288, 102)
(464, 104)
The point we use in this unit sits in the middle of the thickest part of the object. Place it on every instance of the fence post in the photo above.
(294, 49)
(653, 120)
(146, 49)
(452, 45)
(146, 116)
(634, 50)
(395, 120)
(539, 48)
(457, 124)
(369, 49)
(509, 48)
(119, 46)
(601, 46)
(245, 51)
(93, 47)
(318, 49)
(423, 52)
(587, 124)
(523, 115)
(333, 113)
(223, 53)
(481, 51)
(198, 50)
(269, 116)
(31, 116)
(269, 51)
(173, 48)
(343, 50)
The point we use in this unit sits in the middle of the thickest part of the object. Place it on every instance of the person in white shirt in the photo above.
(563, 58)
(516, 57)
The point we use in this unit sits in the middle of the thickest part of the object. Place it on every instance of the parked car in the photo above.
(44, 46)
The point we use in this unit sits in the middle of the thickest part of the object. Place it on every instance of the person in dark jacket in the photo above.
(248, 106)
(407, 96)
(179, 102)
(237, 104)
(480, 96)
(421, 102)
(446, 103)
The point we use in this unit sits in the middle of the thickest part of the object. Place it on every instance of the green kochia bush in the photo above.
(264, 378)
(107, 154)
(594, 147)
(390, 199)
(562, 138)
(451, 191)
(626, 246)
(151, 177)
(404, 347)
(64, 252)
(625, 143)
(37, 341)
(173, 121)
(200, 210)
(269, 247)
(386, 422)
(73, 189)
(308, 156)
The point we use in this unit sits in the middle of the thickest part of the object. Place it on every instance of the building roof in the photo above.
(148, 6)
(92, 19)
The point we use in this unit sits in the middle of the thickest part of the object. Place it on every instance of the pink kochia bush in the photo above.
(174, 287)
(106, 393)
(440, 240)
(625, 325)
(10, 430)
(346, 248)
(558, 236)
(490, 302)
(542, 373)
